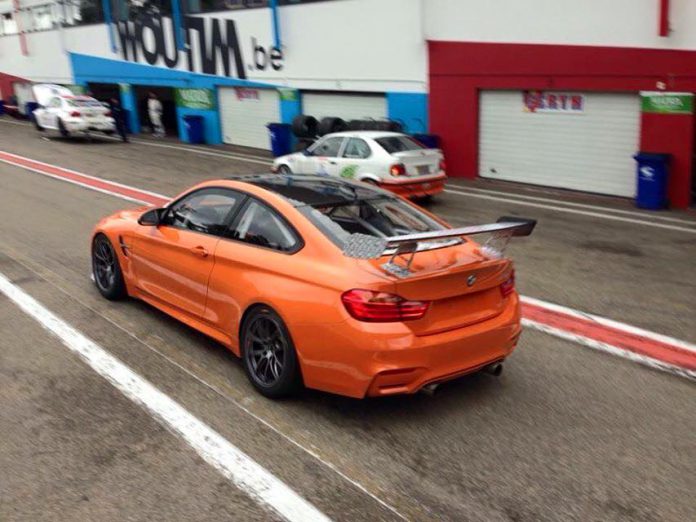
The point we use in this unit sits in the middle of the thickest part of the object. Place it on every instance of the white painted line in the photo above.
(73, 182)
(608, 348)
(77, 173)
(230, 461)
(258, 160)
(250, 158)
(574, 211)
(454, 188)
(15, 122)
(611, 323)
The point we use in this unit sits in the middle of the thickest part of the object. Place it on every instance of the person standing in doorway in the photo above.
(119, 118)
(154, 110)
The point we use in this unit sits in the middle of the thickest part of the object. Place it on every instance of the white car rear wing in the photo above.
(362, 246)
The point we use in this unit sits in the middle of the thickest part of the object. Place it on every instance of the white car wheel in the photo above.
(284, 170)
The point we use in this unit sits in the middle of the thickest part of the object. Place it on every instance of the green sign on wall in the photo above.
(667, 102)
(195, 98)
(288, 94)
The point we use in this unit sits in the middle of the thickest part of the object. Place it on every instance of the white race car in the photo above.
(60, 110)
(392, 160)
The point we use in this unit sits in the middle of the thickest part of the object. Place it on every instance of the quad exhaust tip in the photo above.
(495, 369)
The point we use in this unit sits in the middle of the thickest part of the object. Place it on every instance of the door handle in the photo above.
(332, 163)
(199, 251)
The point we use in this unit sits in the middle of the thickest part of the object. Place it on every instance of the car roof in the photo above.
(365, 134)
(312, 190)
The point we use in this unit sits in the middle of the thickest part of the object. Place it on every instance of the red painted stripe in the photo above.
(79, 178)
(580, 326)
(661, 351)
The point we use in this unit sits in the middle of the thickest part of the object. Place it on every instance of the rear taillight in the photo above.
(75, 114)
(508, 286)
(382, 307)
(443, 165)
(398, 170)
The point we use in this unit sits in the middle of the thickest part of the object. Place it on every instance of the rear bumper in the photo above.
(368, 359)
(84, 126)
(415, 188)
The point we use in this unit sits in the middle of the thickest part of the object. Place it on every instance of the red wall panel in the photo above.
(672, 134)
(459, 70)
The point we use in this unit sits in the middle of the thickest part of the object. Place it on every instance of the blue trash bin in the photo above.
(30, 107)
(2, 107)
(194, 126)
(281, 138)
(431, 141)
(653, 174)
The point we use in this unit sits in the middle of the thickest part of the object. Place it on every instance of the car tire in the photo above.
(268, 354)
(304, 126)
(109, 133)
(285, 170)
(106, 269)
(36, 124)
(63, 131)
(331, 125)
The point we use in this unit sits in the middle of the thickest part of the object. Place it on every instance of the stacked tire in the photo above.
(376, 125)
(305, 126)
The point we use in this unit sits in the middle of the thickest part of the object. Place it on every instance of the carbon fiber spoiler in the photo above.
(362, 246)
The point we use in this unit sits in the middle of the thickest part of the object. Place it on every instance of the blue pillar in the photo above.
(276, 23)
(130, 103)
(290, 106)
(409, 108)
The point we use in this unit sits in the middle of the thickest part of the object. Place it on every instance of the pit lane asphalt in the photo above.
(566, 433)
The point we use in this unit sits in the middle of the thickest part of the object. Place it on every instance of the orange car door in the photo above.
(173, 261)
(258, 245)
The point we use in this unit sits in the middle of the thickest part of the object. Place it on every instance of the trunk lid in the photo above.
(422, 162)
(462, 285)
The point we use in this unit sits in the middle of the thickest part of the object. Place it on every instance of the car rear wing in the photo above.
(362, 246)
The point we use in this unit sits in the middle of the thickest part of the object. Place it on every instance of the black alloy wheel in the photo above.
(268, 354)
(106, 269)
(61, 128)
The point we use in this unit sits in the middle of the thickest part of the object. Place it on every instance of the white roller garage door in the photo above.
(345, 106)
(590, 151)
(245, 113)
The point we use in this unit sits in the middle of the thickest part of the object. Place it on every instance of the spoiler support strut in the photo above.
(362, 246)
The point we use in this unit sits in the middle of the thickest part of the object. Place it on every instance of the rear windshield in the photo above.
(84, 103)
(381, 217)
(394, 144)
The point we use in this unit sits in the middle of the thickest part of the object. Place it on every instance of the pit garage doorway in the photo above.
(345, 106)
(589, 149)
(104, 92)
(244, 114)
(166, 96)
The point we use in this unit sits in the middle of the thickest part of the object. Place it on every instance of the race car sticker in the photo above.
(349, 171)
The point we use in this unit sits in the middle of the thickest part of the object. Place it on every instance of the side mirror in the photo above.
(152, 218)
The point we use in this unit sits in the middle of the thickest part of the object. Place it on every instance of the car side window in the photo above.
(259, 225)
(54, 103)
(328, 147)
(357, 149)
(203, 211)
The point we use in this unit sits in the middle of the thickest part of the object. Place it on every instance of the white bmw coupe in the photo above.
(60, 110)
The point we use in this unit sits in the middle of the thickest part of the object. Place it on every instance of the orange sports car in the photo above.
(323, 282)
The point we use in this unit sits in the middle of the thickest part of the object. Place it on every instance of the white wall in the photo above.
(622, 23)
(354, 45)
